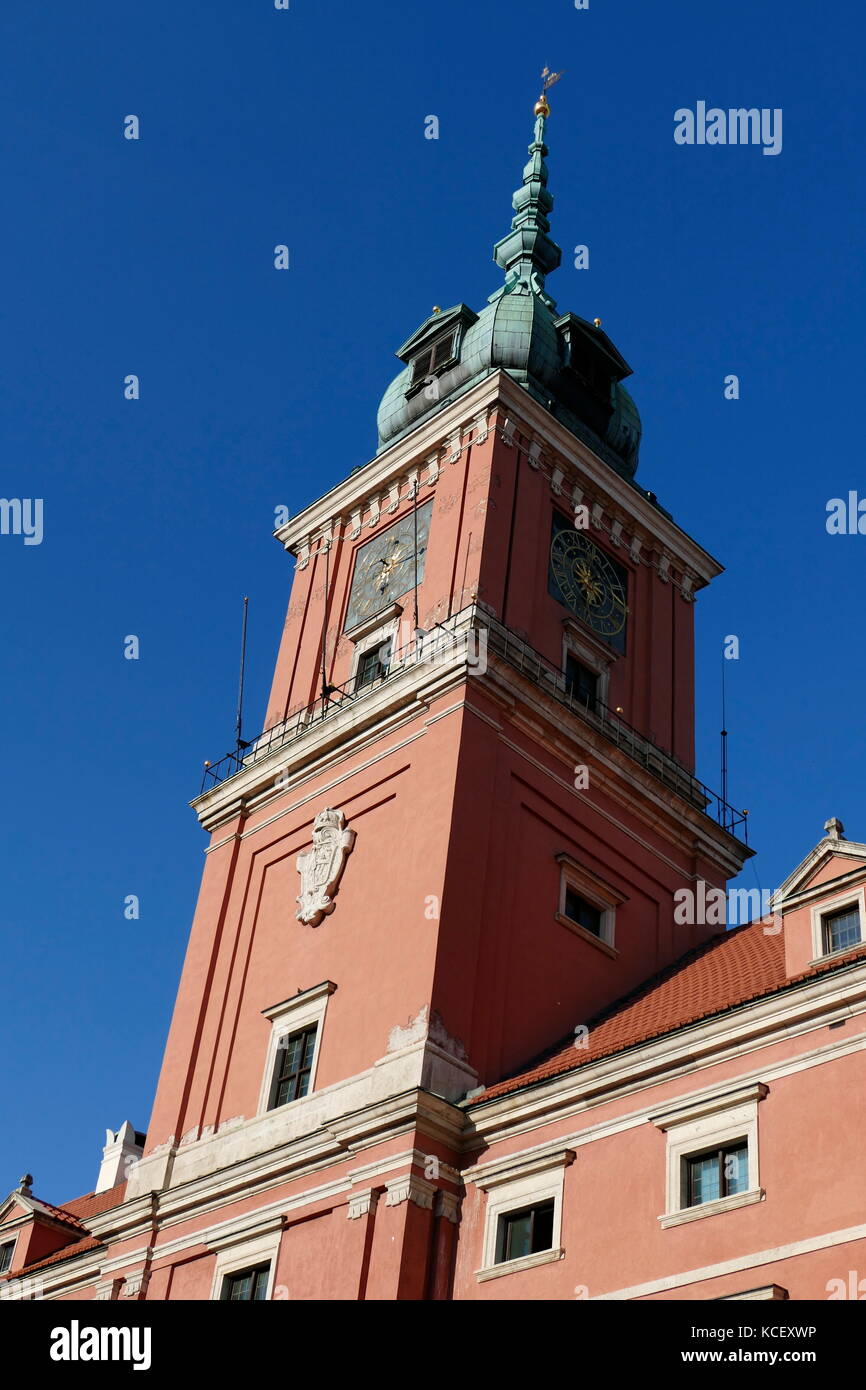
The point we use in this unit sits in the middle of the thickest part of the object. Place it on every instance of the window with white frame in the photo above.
(712, 1154)
(527, 1231)
(7, 1249)
(245, 1265)
(523, 1219)
(837, 925)
(587, 905)
(586, 666)
(293, 1046)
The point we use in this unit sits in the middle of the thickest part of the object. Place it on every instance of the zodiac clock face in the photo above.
(385, 567)
(589, 582)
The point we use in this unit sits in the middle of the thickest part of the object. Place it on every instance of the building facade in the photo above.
(459, 1016)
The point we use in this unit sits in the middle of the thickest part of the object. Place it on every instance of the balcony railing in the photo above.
(484, 635)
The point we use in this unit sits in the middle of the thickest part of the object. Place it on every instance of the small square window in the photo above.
(6, 1256)
(718, 1173)
(581, 683)
(373, 665)
(582, 912)
(524, 1232)
(247, 1285)
(841, 929)
(294, 1066)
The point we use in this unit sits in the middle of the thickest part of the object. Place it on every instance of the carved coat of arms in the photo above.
(321, 867)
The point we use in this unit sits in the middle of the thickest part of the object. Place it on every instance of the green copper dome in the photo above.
(565, 362)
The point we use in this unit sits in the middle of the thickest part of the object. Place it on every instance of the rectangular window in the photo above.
(841, 929)
(6, 1256)
(708, 1177)
(524, 1232)
(373, 665)
(581, 683)
(294, 1065)
(435, 357)
(247, 1285)
(582, 912)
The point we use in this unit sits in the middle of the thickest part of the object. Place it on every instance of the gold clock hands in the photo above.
(592, 590)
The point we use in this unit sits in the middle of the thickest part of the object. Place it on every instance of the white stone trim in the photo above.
(596, 892)
(232, 1259)
(687, 1214)
(738, 1265)
(589, 653)
(361, 1203)
(855, 897)
(706, 1124)
(409, 1187)
(542, 1257)
(374, 637)
(373, 624)
(512, 1184)
(291, 1016)
(768, 1292)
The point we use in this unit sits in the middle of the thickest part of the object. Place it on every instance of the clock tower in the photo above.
(460, 834)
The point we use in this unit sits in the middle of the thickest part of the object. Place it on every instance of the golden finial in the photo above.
(436, 309)
(597, 323)
(548, 78)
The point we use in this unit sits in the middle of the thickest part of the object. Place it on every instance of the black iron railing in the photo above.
(488, 636)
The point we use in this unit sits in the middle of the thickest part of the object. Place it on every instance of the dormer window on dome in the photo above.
(434, 359)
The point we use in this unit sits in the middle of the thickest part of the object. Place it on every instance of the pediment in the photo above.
(13, 1209)
(830, 860)
(433, 326)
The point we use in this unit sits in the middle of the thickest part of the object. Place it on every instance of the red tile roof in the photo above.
(730, 969)
(78, 1247)
(74, 1214)
(95, 1202)
(60, 1213)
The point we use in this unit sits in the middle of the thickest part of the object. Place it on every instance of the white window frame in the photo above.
(713, 1122)
(291, 1016)
(598, 894)
(13, 1241)
(234, 1259)
(377, 638)
(513, 1184)
(576, 643)
(854, 898)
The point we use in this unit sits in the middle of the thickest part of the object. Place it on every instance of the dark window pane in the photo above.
(542, 1230)
(294, 1064)
(842, 929)
(6, 1256)
(582, 912)
(246, 1285)
(373, 665)
(580, 682)
(421, 366)
(524, 1232)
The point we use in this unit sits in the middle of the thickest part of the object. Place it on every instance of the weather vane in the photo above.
(548, 78)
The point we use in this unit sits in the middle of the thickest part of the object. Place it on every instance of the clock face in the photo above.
(385, 566)
(588, 582)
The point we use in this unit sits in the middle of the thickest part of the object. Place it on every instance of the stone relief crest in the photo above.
(321, 867)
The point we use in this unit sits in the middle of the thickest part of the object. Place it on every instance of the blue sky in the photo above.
(259, 388)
